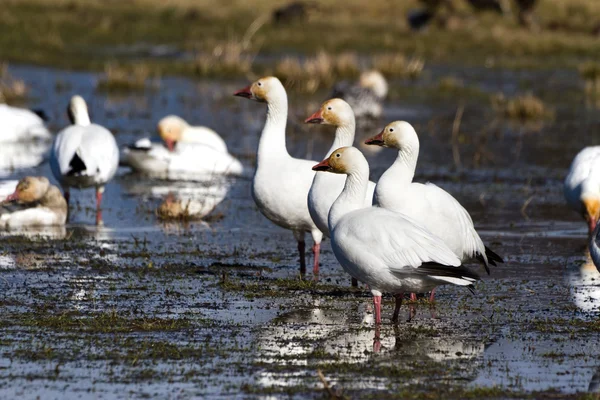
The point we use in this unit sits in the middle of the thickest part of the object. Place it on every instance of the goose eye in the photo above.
(338, 155)
(391, 129)
(259, 83)
(329, 108)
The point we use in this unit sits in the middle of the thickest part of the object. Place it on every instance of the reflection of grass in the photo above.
(590, 72)
(80, 33)
(523, 107)
(119, 79)
(11, 89)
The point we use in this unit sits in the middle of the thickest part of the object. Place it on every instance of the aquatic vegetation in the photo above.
(225, 59)
(122, 78)
(590, 73)
(320, 71)
(398, 65)
(525, 107)
(11, 89)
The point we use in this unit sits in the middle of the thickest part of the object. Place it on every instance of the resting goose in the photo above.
(281, 183)
(43, 202)
(191, 153)
(84, 154)
(366, 96)
(387, 250)
(582, 185)
(19, 124)
(428, 204)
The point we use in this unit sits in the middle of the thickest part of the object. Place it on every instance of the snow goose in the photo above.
(582, 185)
(281, 183)
(43, 202)
(188, 162)
(594, 243)
(19, 124)
(428, 204)
(173, 130)
(387, 250)
(327, 187)
(84, 154)
(366, 96)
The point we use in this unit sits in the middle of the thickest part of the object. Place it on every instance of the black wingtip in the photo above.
(77, 165)
(493, 256)
(471, 288)
(41, 113)
(485, 264)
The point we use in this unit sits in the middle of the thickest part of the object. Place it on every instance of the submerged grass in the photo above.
(525, 107)
(134, 77)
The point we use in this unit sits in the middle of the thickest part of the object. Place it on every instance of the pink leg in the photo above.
(432, 296)
(316, 250)
(354, 282)
(398, 297)
(413, 297)
(98, 209)
(412, 311)
(302, 250)
(376, 341)
(377, 305)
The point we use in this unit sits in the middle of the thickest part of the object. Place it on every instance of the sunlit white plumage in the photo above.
(327, 187)
(388, 251)
(582, 185)
(84, 154)
(19, 124)
(366, 96)
(428, 204)
(281, 182)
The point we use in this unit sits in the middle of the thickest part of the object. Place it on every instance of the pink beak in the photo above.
(316, 118)
(376, 140)
(170, 144)
(12, 197)
(592, 225)
(322, 166)
(245, 92)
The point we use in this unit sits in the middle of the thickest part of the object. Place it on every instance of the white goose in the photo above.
(366, 96)
(582, 185)
(19, 124)
(325, 187)
(84, 154)
(43, 204)
(382, 248)
(191, 153)
(427, 204)
(594, 244)
(281, 183)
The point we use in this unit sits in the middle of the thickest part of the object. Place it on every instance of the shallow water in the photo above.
(144, 308)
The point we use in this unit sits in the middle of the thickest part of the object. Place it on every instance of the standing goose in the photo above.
(84, 154)
(19, 124)
(382, 248)
(582, 185)
(366, 96)
(45, 205)
(325, 187)
(428, 204)
(281, 183)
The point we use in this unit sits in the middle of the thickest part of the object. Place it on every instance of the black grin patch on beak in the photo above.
(315, 121)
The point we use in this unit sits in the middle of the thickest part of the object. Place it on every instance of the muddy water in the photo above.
(143, 308)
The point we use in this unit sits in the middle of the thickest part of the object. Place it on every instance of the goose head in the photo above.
(334, 112)
(29, 190)
(264, 90)
(78, 111)
(170, 129)
(397, 135)
(374, 81)
(345, 160)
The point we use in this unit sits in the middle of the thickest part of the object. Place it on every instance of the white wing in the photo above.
(584, 174)
(21, 124)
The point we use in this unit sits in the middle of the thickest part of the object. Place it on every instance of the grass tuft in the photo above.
(11, 89)
(590, 72)
(398, 65)
(525, 107)
(225, 59)
(119, 78)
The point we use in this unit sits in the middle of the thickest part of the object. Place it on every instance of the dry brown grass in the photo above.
(450, 84)
(228, 58)
(398, 65)
(319, 71)
(11, 89)
(590, 72)
(525, 107)
(118, 78)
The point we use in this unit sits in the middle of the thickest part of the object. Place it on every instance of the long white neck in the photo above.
(353, 195)
(272, 140)
(81, 117)
(344, 137)
(403, 169)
